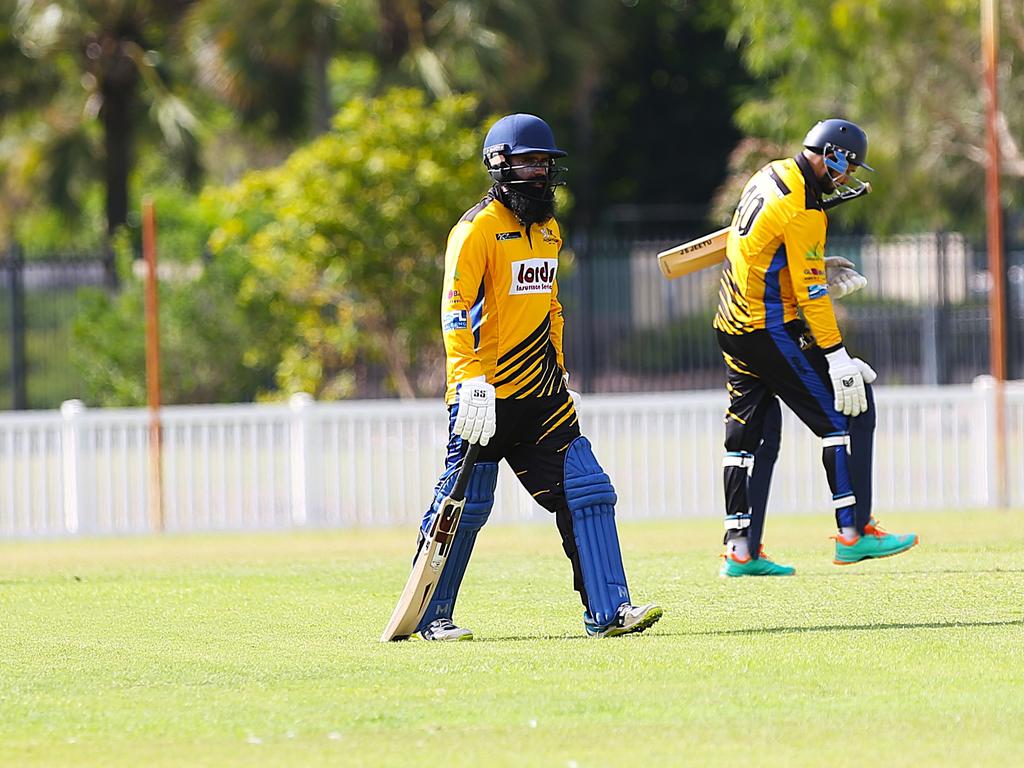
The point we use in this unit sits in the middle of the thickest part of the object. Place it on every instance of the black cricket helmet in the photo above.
(835, 133)
(842, 144)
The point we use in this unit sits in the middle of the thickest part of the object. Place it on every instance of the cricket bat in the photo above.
(709, 250)
(426, 571)
(695, 255)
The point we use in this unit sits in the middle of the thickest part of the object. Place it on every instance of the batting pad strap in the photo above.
(479, 500)
(737, 522)
(738, 459)
(591, 499)
(846, 500)
(835, 440)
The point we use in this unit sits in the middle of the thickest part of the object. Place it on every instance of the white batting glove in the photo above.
(866, 371)
(842, 278)
(475, 419)
(576, 397)
(847, 382)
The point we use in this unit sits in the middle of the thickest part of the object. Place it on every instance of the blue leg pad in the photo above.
(479, 500)
(591, 499)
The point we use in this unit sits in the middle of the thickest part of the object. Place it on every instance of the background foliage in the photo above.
(225, 116)
(295, 295)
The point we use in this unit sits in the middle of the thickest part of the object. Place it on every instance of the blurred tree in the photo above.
(269, 59)
(909, 73)
(346, 241)
(205, 331)
(98, 59)
(662, 116)
(640, 93)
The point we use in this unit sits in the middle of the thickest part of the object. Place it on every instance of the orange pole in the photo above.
(156, 494)
(994, 218)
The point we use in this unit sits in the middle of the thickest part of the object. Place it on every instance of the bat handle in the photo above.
(468, 462)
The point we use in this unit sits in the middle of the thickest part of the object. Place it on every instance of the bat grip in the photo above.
(459, 491)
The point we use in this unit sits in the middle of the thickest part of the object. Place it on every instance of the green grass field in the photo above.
(261, 650)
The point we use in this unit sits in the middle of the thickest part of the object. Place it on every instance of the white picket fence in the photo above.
(308, 464)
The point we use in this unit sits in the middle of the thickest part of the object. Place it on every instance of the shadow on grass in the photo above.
(658, 631)
(915, 571)
(852, 628)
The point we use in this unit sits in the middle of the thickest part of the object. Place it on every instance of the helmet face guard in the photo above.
(838, 162)
(518, 176)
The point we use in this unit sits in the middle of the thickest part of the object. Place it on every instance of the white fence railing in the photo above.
(85, 471)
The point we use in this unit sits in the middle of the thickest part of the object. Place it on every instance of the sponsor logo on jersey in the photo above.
(817, 290)
(508, 235)
(548, 235)
(454, 295)
(814, 271)
(533, 276)
(817, 253)
(454, 321)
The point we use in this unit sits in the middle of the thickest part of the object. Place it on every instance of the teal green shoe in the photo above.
(762, 566)
(873, 544)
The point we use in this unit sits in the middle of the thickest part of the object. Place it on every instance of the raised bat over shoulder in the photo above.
(709, 250)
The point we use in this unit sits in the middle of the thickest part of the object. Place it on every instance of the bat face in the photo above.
(431, 557)
(426, 571)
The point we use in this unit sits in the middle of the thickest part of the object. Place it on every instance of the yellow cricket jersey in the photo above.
(500, 313)
(775, 256)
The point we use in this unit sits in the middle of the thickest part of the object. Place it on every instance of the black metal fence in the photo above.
(923, 319)
(38, 304)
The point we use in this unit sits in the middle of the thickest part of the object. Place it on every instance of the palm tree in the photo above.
(268, 59)
(105, 61)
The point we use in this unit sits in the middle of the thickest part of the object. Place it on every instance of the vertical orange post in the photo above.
(994, 218)
(156, 492)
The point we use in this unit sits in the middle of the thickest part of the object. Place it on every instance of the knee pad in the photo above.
(479, 500)
(591, 499)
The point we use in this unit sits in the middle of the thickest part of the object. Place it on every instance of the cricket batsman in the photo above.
(774, 273)
(507, 385)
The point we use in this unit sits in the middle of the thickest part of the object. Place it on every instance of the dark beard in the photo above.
(529, 210)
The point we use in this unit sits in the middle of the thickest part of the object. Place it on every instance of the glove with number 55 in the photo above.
(475, 419)
(849, 375)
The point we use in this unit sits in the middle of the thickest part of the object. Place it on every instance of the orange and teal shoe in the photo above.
(762, 566)
(873, 544)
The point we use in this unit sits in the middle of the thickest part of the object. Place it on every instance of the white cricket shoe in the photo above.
(628, 619)
(444, 630)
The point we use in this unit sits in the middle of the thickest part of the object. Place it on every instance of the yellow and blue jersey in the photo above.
(500, 314)
(775, 256)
